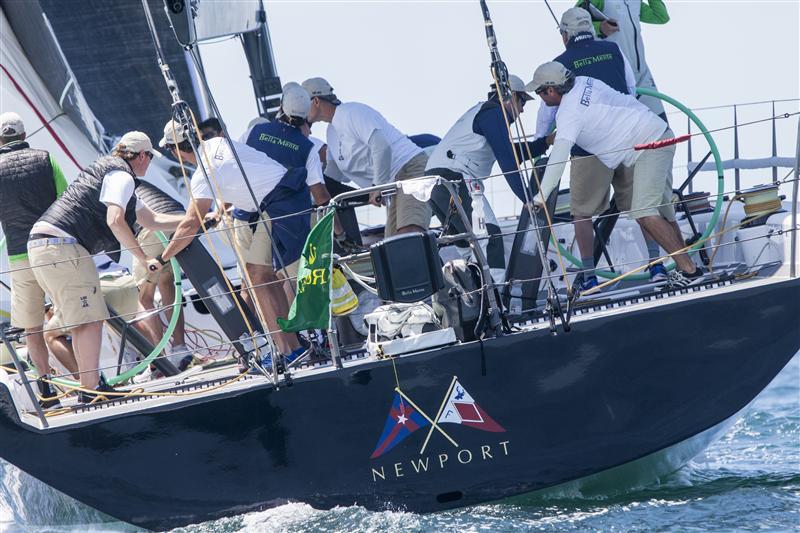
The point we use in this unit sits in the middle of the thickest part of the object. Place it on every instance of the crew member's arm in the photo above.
(186, 231)
(490, 123)
(115, 193)
(559, 156)
(157, 221)
(654, 12)
(115, 218)
(381, 155)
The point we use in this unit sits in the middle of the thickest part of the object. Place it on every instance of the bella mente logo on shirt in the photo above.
(586, 97)
(276, 140)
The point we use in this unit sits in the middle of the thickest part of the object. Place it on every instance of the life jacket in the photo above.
(288, 146)
(27, 188)
(80, 213)
(462, 150)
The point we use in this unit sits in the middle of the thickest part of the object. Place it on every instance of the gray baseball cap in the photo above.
(11, 125)
(550, 74)
(576, 20)
(320, 88)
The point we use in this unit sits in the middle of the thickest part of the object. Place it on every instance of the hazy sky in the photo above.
(422, 64)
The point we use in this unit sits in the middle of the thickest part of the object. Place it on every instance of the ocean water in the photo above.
(747, 480)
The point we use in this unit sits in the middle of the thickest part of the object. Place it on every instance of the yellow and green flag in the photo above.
(311, 306)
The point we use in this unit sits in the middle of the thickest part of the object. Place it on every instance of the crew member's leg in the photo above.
(267, 293)
(27, 312)
(649, 190)
(589, 185)
(406, 214)
(67, 273)
(56, 339)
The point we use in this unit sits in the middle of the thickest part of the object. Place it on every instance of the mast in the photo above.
(257, 47)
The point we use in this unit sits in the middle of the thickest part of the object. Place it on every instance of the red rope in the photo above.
(662, 143)
(41, 117)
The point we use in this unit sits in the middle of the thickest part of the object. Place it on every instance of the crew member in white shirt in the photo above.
(364, 148)
(609, 124)
(263, 174)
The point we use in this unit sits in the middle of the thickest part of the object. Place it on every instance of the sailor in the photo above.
(286, 140)
(589, 179)
(263, 175)
(96, 213)
(159, 202)
(468, 151)
(289, 205)
(624, 28)
(30, 180)
(364, 148)
(609, 124)
(210, 128)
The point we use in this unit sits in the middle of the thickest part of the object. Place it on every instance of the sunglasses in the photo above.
(149, 155)
(541, 90)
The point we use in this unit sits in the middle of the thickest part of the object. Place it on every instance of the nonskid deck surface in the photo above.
(638, 293)
(198, 383)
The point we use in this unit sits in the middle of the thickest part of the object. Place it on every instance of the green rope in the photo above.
(717, 207)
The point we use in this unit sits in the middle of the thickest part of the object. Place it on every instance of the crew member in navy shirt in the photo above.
(467, 153)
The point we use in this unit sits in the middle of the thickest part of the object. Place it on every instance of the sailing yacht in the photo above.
(469, 392)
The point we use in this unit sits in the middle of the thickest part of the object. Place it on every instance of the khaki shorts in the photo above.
(652, 182)
(27, 296)
(120, 292)
(151, 246)
(68, 275)
(405, 210)
(589, 185)
(255, 246)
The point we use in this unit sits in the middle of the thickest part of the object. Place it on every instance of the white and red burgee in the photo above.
(462, 409)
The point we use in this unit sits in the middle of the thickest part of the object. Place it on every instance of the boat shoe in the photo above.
(97, 395)
(582, 284)
(48, 396)
(658, 272)
(678, 279)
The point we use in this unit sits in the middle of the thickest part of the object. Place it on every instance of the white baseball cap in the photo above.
(518, 86)
(320, 88)
(11, 125)
(295, 101)
(550, 74)
(576, 20)
(135, 142)
(173, 134)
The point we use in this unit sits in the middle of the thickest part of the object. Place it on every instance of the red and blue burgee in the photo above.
(403, 420)
(462, 409)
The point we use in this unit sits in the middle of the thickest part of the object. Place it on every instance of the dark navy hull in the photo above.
(613, 390)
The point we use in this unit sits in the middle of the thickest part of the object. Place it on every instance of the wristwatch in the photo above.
(161, 260)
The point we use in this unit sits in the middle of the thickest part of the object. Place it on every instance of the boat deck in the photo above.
(200, 384)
